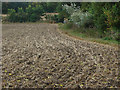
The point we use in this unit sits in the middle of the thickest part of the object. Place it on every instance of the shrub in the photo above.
(99, 18)
(12, 17)
(112, 17)
(79, 18)
(47, 17)
(31, 14)
(34, 13)
(33, 17)
(61, 17)
(21, 15)
(52, 18)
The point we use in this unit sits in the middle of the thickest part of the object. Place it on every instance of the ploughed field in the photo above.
(38, 55)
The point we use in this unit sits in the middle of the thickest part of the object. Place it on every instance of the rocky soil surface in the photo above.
(40, 56)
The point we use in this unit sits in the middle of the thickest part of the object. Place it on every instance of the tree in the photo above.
(12, 15)
(51, 6)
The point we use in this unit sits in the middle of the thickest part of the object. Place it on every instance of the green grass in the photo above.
(89, 35)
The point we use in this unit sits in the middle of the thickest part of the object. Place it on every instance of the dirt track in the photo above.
(38, 55)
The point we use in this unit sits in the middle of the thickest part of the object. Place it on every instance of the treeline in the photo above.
(32, 12)
(47, 6)
(103, 18)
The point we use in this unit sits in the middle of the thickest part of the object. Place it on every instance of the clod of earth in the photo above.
(38, 55)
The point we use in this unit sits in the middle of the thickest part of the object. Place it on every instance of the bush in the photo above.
(21, 15)
(47, 17)
(31, 14)
(34, 13)
(61, 17)
(82, 19)
(33, 17)
(106, 16)
(78, 17)
(112, 17)
(52, 18)
(63, 14)
(68, 25)
(12, 17)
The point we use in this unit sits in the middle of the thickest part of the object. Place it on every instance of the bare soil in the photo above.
(40, 56)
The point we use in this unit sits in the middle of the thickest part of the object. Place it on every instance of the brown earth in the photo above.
(39, 56)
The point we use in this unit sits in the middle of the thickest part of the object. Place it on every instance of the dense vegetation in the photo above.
(99, 20)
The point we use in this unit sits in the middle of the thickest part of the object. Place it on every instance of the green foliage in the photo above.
(21, 15)
(31, 14)
(12, 15)
(63, 14)
(98, 16)
(78, 17)
(13, 5)
(89, 35)
(112, 15)
(59, 7)
(67, 26)
(34, 13)
(52, 18)
(105, 17)
(51, 6)
(55, 18)
(5, 9)
(61, 17)
(81, 19)
(33, 17)
(85, 6)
